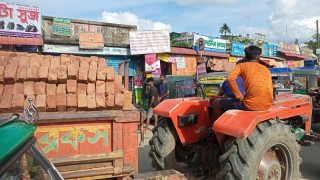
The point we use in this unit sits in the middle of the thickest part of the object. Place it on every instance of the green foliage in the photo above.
(224, 29)
(312, 44)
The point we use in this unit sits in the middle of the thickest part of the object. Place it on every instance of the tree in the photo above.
(225, 29)
(312, 44)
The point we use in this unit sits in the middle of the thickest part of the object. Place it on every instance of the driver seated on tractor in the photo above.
(257, 85)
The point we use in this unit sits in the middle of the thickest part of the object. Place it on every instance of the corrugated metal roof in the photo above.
(186, 51)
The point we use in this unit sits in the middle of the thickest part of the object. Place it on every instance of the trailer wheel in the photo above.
(167, 152)
(269, 152)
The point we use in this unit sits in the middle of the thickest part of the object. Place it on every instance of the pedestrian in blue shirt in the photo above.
(163, 88)
(225, 89)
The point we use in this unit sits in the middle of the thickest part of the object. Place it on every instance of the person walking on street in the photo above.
(164, 88)
(153, 102)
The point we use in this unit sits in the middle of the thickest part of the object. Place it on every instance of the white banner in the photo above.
(148, 42)
(19, 20)
(180, 63)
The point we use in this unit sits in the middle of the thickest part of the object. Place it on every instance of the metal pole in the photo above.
(317, 22)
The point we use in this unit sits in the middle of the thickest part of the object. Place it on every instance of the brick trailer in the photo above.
(87, 125)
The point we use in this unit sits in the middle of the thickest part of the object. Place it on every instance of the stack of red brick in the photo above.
(60, 83)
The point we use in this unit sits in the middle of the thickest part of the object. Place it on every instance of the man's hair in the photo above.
(163, 75)
(252, 52)
(150, 79)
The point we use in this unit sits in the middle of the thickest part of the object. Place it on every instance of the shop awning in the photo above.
(186, 51)
(20, 41)
(292, 55)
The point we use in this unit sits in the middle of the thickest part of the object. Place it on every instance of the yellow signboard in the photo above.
(212, 79)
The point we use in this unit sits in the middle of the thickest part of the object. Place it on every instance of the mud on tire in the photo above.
(243, 156)
(163, 149)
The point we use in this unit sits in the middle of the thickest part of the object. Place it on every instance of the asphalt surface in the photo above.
(310, 167)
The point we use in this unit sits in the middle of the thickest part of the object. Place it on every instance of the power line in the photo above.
(287, 30)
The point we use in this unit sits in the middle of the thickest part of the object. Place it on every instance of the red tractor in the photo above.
(239, 145)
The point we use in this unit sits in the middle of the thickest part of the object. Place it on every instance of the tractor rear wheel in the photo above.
(168, 153)
(269, 152)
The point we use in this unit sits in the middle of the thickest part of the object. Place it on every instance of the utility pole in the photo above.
(317, 22)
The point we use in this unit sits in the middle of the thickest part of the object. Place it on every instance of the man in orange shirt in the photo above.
(257, 83)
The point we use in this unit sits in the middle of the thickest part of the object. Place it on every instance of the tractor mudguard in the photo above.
(190, 117)
(240, 124)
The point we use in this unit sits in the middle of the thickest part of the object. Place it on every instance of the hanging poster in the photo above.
(151, 62)
(201, 70)
(180, 63)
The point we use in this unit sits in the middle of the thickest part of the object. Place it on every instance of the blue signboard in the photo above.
(269, 50)
(237, 49)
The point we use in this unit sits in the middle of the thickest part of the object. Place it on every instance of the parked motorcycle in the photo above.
(20, 156)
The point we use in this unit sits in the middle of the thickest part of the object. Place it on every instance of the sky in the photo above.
(279, 20)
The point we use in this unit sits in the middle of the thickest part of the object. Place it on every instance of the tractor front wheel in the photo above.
(269, 152)
(168, 153)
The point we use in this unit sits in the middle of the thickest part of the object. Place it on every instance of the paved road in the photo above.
(310, 167)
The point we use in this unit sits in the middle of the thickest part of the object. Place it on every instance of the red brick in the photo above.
(51, 89)
(117, 84)
(8, 89)
(83, 74)
(51, 103)
(65, 59)
(26, 102)
(127, 101)
(82, 102)
(119, 101)
(110, 88)
(28, 88)
(101, 101)
(1, 89)
(84, 63)
(21, 74)
(43, 73)
(91, 88)
(61, 102)
(3, 60)
(110, 102)
(46, 61)
(35, 60)
(82, 88)
(10, 74)
(110, 73)
(102, 74)
(94, 59)
(72, 102)
(62, 89)
(91, 100)
(73, 71)
(40, 88)
(41, 102)
(2, 74)
(75, 60)
(13, 61)
(55, 62)
(24, 61)
(62, 74)
(72, 86)
(100, 87)
(102, 63)
(53, 75)
(92, 75)
(17, 103)
(32, 73)
(5, 105)
(18, 88)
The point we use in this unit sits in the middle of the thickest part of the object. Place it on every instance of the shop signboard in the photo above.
(201, 70)
(212, 44)
(237, 49)
(19, 20)
(148, 42)
(90, 40)
(289, 48)
(212, 79)
(269, 50)
(71, 49)
(307, 52)
(61, 26)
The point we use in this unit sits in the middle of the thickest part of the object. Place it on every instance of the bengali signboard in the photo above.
(19, 20)
(289, 48)
(148, 42)
(180, 61)
(212, 44)
(61, 26)
(237, 49)
(152, 64)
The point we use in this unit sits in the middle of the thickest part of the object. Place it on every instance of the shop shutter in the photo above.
(114, 62)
